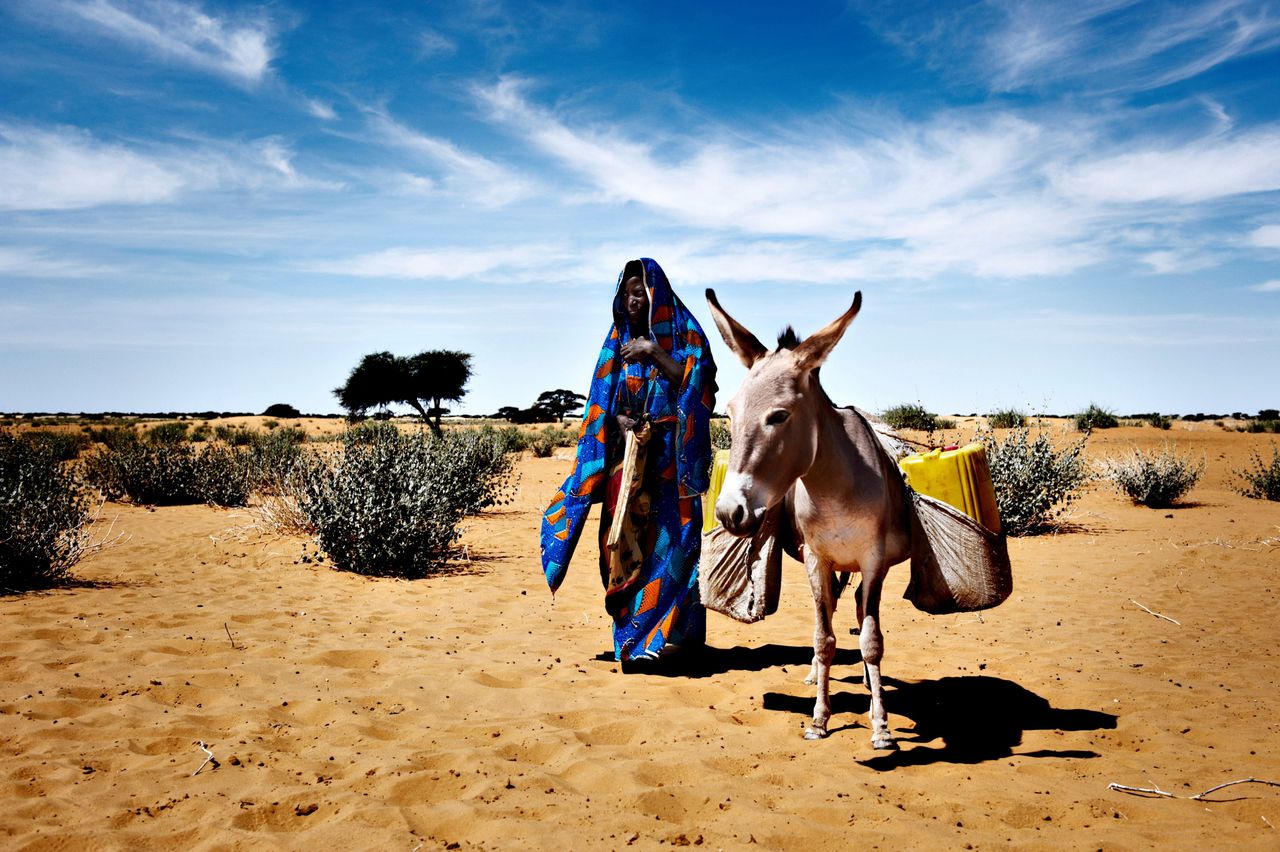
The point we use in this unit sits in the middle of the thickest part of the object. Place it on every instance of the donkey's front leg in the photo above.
(872, 642)
(824, 644)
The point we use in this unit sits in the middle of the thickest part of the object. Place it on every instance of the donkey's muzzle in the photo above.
(734, 510)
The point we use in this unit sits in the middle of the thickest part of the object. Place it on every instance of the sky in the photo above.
(224, 205)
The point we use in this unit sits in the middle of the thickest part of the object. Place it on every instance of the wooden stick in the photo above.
(630, 457)
(233, 642)
(1199, 797)
(209, 757)
(1156, 614)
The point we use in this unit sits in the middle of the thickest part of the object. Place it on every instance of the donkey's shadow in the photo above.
(974, 718)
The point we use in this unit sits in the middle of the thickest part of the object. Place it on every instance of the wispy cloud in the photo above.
(239, 48)
(1267, 287)
(321, 110)
(469, 175)
(981, 192)
(66, 168)
(1100, 45)
(24, 262)
(433, 43)
(1267, 236)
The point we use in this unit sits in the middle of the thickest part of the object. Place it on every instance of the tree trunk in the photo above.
(435, 425)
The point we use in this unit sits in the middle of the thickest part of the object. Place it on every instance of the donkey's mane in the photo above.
(788, 339)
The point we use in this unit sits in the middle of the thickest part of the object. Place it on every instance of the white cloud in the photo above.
(1111, 44)
(181, 32)
(442, 264)
(65, 168)
(1268, 236)
(22, 262)
(1267, 287)
(981, 192)
(470, 176)
(321, 110)
(432, 43)
(1200, 170)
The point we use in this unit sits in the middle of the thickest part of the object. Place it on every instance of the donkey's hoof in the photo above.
(884, 742)
(813, 732)
(810, 679)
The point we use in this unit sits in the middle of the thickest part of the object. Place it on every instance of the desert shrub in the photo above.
(114, 436)
(1269, 414)
(201, 433)
(172, 432)
(236, 436)
(1259, 479)
(912, 417)
(61, 445)
(1007, 418)
(281, 409)
(544, 443)
(721, 437)
(511, 439)
(1158, 421)
(1258, 426)
(391, 503)
(273, 458)
(270, 424)
(172, 474)
(1153, 479)
(42, 517)
(1034, 482)
(1095, 417)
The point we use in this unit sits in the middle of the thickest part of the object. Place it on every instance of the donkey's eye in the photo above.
(778, 416)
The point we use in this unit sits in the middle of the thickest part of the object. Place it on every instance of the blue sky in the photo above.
(223, 205)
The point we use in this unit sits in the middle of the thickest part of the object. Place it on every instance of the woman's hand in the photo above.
(626, 422)
(639, 349)
(643, 349)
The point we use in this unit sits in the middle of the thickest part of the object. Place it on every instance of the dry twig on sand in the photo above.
(1199, 797)
(233, 641)
(1153, 612)
(209, 758)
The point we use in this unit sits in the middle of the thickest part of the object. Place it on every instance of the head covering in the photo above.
(674, 328)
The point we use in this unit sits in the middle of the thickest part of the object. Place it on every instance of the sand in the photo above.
(472, 711)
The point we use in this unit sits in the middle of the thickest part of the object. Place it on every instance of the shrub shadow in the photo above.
(976, 718)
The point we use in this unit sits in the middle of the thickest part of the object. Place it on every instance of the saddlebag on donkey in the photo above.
(738, 577)
(957, 564)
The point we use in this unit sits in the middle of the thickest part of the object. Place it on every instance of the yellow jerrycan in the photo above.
(719, 467)
(958, 476)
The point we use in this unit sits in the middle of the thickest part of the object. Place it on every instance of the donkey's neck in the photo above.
(838, 456)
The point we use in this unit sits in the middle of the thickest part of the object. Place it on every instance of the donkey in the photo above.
(790, 443)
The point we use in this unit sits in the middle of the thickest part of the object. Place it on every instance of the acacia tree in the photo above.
(560, 403)
(436, 376)
(376, 382)
(381, 379)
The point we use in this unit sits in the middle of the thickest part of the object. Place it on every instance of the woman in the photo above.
(655, 380)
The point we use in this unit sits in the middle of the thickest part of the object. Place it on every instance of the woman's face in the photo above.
(635, 300)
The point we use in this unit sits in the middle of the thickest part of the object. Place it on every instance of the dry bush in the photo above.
(1155, 479)
(43, 517)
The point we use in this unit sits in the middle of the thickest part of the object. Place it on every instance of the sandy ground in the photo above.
(471, 711)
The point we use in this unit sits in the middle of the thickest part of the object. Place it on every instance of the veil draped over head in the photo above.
(674, 328)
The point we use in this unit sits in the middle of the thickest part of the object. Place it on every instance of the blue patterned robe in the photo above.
(665, 609)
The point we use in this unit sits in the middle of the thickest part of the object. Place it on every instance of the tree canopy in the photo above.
(560, 403)
(421, 381)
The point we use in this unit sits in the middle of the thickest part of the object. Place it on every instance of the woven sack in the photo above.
(741, 577)
(957, 565)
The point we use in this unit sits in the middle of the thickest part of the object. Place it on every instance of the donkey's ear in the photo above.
(814, 350)
(743, 343)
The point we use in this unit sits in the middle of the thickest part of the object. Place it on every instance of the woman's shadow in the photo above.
(966, 719)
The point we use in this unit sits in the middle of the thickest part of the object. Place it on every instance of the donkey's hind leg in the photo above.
(824, 645)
